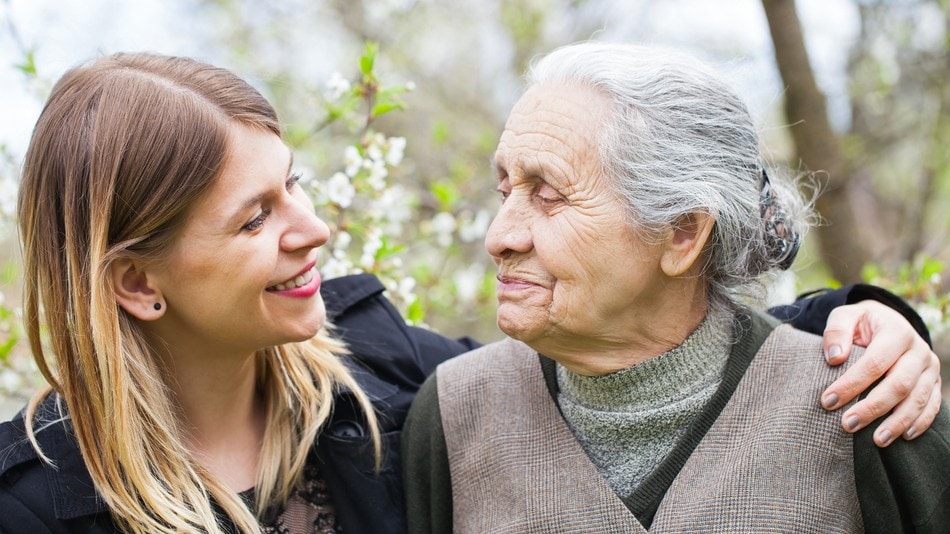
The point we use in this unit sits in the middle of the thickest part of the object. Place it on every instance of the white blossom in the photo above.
(394, 205)
(353, 160)
(10, 380)
(377, 175)
(443, 224)
(933, 317)
(337, 86)
(396, 148)
(474, 228)
(8, 197)
(468, 281)
(335, 268)
(342, 241)
(339, 190)
(405, 289)
(371, 246)
(374, 149)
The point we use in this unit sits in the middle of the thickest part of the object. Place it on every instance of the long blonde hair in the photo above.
(122, 150)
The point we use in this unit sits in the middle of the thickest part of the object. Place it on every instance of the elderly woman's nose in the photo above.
(508, 232)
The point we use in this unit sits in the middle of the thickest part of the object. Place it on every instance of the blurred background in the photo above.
(394, 137)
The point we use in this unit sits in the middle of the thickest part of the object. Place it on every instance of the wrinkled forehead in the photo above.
(547, 117)
(554, 129)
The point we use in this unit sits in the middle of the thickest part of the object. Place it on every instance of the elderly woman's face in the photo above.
(569, 267)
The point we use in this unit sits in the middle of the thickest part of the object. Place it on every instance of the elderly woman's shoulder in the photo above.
(506, 353)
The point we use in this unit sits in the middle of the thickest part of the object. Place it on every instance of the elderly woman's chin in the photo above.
(521, 323)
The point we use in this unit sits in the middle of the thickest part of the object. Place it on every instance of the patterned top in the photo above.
(309, 509)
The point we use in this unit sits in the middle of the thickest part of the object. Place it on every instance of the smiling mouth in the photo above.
(298, 281)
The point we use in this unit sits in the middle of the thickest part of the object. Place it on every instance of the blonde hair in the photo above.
(122, 150)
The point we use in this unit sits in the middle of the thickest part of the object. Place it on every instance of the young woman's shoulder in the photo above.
(378, 336)
(37, 497)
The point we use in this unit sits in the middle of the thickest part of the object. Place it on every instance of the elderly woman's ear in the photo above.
(685, 244)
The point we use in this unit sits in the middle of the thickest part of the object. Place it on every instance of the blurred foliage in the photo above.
(920, 283)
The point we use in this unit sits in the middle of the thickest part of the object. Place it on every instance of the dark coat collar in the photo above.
(71, 488)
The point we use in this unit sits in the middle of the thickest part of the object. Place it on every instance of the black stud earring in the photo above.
(158, 306)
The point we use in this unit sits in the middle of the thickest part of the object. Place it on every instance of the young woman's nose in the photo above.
(304, 229)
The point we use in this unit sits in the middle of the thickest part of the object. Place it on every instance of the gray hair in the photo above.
(680, 141)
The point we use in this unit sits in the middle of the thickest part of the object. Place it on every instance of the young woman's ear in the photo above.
(135, 291)
(686, 243)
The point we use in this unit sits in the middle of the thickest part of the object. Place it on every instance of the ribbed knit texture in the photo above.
(628, 421)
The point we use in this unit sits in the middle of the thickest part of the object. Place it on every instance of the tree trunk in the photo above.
(817, 146)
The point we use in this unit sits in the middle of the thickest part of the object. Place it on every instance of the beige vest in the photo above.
(773, 461)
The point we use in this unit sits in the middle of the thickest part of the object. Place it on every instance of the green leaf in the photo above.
(930, 268)
(414, 312)
(368, 59)
(440, 131)
(28, 66)
(870, 273)
(446, 193)
(381, 108)
(392, 91)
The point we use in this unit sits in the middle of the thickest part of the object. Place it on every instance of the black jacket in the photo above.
(390, 361)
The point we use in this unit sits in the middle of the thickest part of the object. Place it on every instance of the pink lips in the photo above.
(512, 285)
(305, 284)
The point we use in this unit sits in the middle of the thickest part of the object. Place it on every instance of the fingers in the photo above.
(913, 393)
(909, 393)
(871, 366)
(847, 325)
(929, 414)
(896, 345)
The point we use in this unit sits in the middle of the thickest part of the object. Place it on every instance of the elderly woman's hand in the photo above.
(911, 385)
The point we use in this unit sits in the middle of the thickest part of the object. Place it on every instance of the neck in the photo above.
(223, 413)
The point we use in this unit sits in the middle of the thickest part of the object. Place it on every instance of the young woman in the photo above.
(172, 300)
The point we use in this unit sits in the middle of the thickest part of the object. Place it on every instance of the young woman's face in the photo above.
(242, 273)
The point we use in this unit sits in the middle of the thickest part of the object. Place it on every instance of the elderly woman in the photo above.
(639, 388)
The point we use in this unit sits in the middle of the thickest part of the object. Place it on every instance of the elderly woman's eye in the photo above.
(503, 191)
(548, 195)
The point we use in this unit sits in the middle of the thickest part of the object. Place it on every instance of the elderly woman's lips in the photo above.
(513, 284)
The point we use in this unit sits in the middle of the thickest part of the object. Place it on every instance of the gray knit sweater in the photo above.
(628, 421)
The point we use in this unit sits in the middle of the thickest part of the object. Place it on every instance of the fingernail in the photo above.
(885, 437)
(829, 401)
(910, 432)
(833, 352)
(852, 422)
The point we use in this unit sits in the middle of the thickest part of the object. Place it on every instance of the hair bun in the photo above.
(781, 240)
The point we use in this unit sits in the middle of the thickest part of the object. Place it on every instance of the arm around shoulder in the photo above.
(426, 474)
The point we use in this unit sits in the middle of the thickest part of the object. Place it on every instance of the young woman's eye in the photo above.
(258, 221)
(292, 181)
